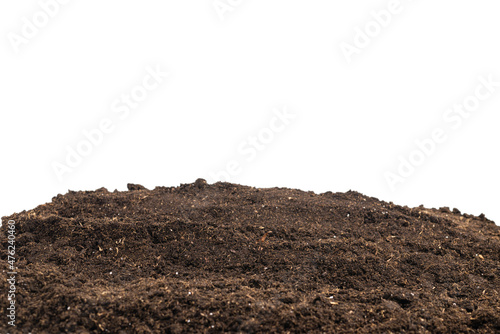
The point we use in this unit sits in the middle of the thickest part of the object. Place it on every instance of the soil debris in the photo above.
(222, 257)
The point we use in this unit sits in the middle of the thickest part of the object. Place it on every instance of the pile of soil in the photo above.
(231, 258)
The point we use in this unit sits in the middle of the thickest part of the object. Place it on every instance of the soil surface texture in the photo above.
(203, 258)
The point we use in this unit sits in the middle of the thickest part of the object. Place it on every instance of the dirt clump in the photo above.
(222, 257)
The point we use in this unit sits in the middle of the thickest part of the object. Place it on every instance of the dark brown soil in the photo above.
(230, 258)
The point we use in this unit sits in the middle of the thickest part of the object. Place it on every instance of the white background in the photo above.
(228, 71)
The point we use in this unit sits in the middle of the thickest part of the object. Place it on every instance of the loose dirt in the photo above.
(231, 258)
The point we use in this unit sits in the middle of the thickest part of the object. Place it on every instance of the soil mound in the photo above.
(231, 258)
